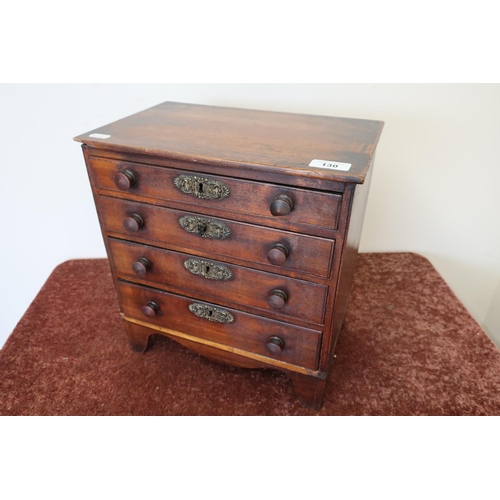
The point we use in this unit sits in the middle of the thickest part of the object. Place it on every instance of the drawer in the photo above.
(196, 276)
(253, 245)
(288, 343)
(313, 208)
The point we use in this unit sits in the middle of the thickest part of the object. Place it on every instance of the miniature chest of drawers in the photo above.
(234, 232)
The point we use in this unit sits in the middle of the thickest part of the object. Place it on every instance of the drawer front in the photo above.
(275, 249)
(233, 195)
(288, 343)
(204, 277)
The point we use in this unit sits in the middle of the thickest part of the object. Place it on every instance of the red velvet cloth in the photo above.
(407, 347)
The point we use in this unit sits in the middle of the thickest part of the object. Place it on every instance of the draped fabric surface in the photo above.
(407, 347)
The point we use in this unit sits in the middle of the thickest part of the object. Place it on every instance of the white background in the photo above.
(434, 189)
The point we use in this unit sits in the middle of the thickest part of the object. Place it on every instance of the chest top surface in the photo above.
(238, 138)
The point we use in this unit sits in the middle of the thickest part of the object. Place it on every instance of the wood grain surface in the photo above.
(240, 137)
(247, 332)
(313, 208)
(246, 287)
(245, 244)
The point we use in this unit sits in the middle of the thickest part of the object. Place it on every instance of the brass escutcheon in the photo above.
(206, 228)
(201, 187)
(211, 313)
(208, 269)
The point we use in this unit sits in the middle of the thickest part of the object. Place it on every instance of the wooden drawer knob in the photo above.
(282, 205)
(125, 179)
(277, 299)
(141, 266)
(275, 345)
(133, 223)
(278, 254)
(150, 309)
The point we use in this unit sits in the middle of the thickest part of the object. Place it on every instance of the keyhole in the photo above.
(202, 228)
(200, 187)
(210, 313)
(207, 269)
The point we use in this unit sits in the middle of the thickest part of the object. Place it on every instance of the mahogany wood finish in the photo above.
(245, 244)
(282, 205)
(278, 254)
(275, 345)
(133, 223)
(125, 179)
(256, 291)
(246, 331)
(141, 266)
(151, 309)
(263, 200)
(278, 299)
(283, 143)
(137, 336)
(221, 236)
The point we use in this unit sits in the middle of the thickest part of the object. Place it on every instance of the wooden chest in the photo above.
(234, 232)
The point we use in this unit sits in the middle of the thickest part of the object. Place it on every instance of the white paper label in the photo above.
(100, 136)
(331, 165)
